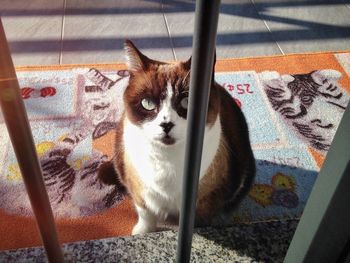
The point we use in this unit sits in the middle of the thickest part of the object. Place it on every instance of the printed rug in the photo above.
(293, 105)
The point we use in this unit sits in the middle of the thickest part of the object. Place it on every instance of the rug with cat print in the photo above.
(293, 105)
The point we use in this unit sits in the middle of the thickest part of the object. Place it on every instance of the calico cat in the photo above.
(150, 145)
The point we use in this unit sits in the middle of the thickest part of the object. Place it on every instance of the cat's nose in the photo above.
(167, 126)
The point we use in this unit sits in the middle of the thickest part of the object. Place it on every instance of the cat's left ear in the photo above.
(187, 64)
(136, 61)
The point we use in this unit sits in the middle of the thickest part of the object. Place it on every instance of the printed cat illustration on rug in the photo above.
(301, 99)
(150, 144)
(69, 165)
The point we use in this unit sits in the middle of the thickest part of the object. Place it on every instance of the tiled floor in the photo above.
(42, 32)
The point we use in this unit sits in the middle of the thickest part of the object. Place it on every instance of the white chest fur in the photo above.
(160, 168)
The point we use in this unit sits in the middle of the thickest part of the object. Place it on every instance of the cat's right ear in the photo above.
(135, 60)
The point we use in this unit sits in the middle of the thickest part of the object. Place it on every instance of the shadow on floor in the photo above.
(263, 242)
(310, 31)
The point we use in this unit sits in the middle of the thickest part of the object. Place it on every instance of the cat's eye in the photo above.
(148, 104)
(184, 102)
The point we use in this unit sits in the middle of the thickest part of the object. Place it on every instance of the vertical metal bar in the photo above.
(22, 140)
(204, 39)
(323, 233)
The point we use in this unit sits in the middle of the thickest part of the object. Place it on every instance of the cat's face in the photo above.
(156, 98)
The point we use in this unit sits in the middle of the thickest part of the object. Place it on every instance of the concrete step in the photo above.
(257, 242)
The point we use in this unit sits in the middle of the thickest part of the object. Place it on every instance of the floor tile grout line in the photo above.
(62, 31)
(168, 30)
(267, 26)
(278, 45)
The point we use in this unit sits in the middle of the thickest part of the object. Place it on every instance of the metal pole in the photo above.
(22, 140)
(323, 233)
(206, 20)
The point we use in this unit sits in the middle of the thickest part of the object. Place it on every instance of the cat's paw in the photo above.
(142, 228)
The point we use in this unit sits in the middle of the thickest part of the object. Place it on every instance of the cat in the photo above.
(299, 99)
(150, 145)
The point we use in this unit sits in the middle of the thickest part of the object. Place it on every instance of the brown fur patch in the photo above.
(118, 159)
(133, 183)
(107, 174)
(241, 162)
(214, 105)
(231, 174)
(125, 170)
(213, 186)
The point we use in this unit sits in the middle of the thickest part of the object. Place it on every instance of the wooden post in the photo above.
(22, 140)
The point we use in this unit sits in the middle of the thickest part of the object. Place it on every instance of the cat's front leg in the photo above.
(146, 223)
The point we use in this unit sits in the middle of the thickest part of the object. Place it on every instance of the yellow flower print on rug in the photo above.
(281, 192)
(261, 194)
(13, 170)
(280, 180)
(13, 173)
(43, 147)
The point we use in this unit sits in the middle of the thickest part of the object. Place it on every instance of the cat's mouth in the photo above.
(168, 140)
